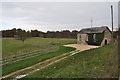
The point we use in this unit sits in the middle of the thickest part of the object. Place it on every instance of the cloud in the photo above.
(54, 15)
(59, 0)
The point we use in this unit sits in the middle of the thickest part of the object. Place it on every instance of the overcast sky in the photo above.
(54, 16)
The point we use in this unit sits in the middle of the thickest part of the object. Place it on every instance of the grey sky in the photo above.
(56, 15)
(119, 14)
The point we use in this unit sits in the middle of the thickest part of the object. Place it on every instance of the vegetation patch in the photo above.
(94, 63)
(98, 36)
(11, 46)
(33, 42)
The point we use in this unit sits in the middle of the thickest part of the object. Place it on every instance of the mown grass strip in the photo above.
(20, 58)
(40, 65)
(31, 61)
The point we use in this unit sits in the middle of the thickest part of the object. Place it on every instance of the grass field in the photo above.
(94, 63)
(15, 46)
(11, 46)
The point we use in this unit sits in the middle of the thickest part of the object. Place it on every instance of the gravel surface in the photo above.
(82, 47)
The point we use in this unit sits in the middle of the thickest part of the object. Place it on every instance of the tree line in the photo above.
(35, 33)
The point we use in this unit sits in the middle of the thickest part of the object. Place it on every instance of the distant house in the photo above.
(95, 36)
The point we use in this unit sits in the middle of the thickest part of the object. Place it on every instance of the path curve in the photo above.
(81, 47)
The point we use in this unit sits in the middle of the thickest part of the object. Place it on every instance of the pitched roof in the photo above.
(93, 30)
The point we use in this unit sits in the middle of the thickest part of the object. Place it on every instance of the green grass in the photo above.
(34, 43)
(11, 46)
(94, 63)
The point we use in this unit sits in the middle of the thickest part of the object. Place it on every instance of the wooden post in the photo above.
(112, 20)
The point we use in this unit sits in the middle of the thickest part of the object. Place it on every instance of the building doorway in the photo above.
(105, 42)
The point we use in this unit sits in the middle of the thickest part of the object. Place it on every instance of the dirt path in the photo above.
(81, 47)
(26, 71)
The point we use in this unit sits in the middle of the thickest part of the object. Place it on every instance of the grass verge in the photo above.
(95, 63)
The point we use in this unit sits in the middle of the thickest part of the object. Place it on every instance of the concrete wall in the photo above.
(107, 36)
(82, 38)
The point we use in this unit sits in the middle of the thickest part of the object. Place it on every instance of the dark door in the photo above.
(105, 42)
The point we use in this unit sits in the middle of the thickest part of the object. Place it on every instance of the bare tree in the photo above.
(22, 35)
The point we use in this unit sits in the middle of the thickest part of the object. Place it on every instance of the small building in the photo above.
(99, 36)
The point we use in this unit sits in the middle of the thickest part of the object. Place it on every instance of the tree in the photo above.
(66, 34)
(74, 34)
(22, 35)
(35, 33)
(9, 33)
(50, 34)
(58, 34)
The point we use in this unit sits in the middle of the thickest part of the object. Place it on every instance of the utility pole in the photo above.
(91, 22)
(112, 19)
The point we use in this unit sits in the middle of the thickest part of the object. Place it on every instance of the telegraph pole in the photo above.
(112, 19)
